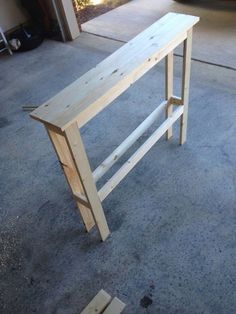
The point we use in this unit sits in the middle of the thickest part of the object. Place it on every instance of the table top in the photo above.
(91, 93)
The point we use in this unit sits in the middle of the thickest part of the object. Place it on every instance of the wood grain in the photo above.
(91, 93)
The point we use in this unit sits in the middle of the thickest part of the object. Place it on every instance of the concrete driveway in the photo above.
(172, 220)
(214, 36)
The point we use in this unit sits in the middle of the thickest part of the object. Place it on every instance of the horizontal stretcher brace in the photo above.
(64, 114)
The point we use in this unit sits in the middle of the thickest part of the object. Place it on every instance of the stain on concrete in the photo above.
(117, 218)
(117, 222)
(4, 122)
(146, 301)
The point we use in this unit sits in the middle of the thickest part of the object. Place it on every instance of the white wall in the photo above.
(11, 14)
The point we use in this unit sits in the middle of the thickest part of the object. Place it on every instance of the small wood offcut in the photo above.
(73, 107)
(103, 303)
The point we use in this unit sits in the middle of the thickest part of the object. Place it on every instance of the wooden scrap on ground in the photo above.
(103, 303)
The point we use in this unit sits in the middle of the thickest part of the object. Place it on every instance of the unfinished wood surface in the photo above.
(73, 107)
(68, 15)
(169, 88)
(128, 142)
(81, 199)
(175, 100)
(72, 176)
(81, 162)
(115, 307)
(137, 156)
(185, 85)
(91, 93)
(98, 303)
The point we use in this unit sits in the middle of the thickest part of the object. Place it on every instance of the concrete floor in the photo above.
(172, 219)
(214, 36)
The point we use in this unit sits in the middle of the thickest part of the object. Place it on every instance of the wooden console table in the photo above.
(64, 114)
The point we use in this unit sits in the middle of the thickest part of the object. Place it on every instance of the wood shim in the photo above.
(102, 303)
(115, 307)
(98, 303)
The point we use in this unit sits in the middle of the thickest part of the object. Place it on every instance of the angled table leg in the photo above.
(185, 85)
(169, 88)
(78, 153)
(70, 171)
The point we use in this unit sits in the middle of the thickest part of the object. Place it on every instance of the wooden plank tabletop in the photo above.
(88, 95)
